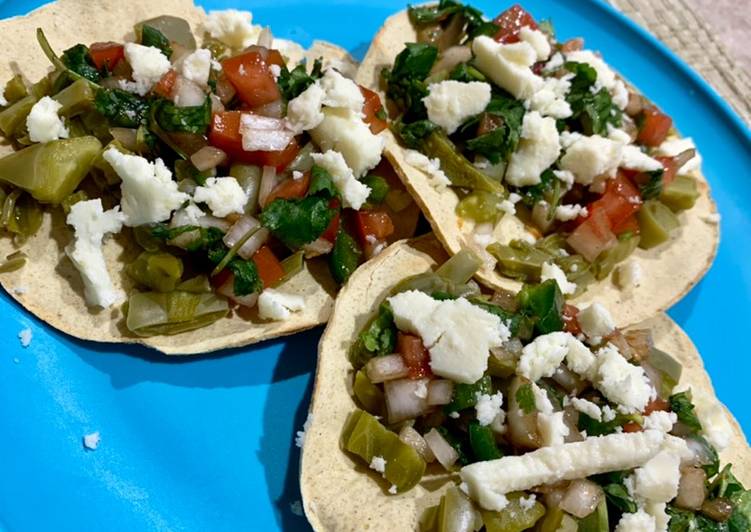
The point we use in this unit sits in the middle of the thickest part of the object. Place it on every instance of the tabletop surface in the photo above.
(207, 443)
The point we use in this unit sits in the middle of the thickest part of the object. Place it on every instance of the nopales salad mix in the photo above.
(518, 123)
(548, 416)
(228, 164)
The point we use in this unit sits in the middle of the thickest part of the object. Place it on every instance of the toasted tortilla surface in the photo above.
(670, 270)
(339, 492)
(49, 285)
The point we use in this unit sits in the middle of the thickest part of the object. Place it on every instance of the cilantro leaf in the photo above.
(377, 338)
(121, 108)
(465, 395)
(293, 82)
(525, 398)
(592, 111)
(546, 188)
(151, 36)
(405, 82)
(725, 484)
(297, 222)
(681, 404)
(433, 13)
(544, 302)
(345, 257)
(618, 496)
(78, 59)
(584, 75)
(499, 143)
(193, 119)
(740, 519)
(412, 134)
(322, 182)
(247, 279)
(688, 521)
(652, 188)
(466, 72)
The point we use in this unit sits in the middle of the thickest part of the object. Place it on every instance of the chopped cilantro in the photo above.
(466, 72)
(247, 279)
(345, 257)
(681, 404)
(405, 83)
(78, 59)
(293, 82)
(121, 108)
(151, 36)
(379, 337)
(618, 496)
(652, 188)
(499, 143)
(321, 182)
(525, 398)
(412, 134)
(544, 303)
(174, 119)
(297, 222)
(592, 111)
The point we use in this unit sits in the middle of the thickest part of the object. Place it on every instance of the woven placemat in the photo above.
(676, 24)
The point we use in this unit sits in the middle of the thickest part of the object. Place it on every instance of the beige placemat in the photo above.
(677, 25)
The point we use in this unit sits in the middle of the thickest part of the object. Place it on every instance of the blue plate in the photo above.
(207, 443)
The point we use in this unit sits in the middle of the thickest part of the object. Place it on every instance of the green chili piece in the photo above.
(249, 177)
(370, 396)
(12, 118)
(656, 222)
(366, 437)
(480, 206)
(156, 270)
(611, 257)
(292, 265)
(669, 369)
(196, 285)
(14, 261)
(482, 441)
(175, 29)
(379, 188)
(75, 98)
(460, 268)
(15, 89)
(519, 260)
(465, 395)
(597, 521)
(50, 172)
(681, 194)
(153, 313)
(515, 517)
(456, 513)
(344, 258)
(457, 168)
(74, 198)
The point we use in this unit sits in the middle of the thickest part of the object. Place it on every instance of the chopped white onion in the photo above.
(239, 229)
(581, 498)
(692, 488)
(442, 450)
(386, 368)
(207, 158)
(413, 438)
(682, 158)
(451, 57)
(403, 399)
(225, 90)
(266, 39)
(187, 93)
(216, 104)
(318, 247)
(274, 109)
(268, 183)
(440, 392)
(264, 133)
(254, 243)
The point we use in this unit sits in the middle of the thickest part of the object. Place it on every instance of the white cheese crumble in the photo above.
(542, 356)
(450, 103)
(378, 464)
(712, 219)
(340, 91)
(565, 176)
(20, 290)
(618, 135)
(392, 489)
(608, 414)
(635, 159)
(658, 479)
(675, 146)
(354, 193)
(551, 270)
(488, 407)
(232, 27)
(422, 388)
(622, 382)
(191, 214)
(640, 521)
(538, 40)
(458, 335)
(538, 148)
(542, 401)
(488, 482)
(660, 420)
(587, 407)
(149, 64)
(431, 167)
(43, 122)
(565, 213)
(591, 157)
(196, 67)
(595, 321)
(714, 421)
(619, 92)
(304, 111)
(300, 434)
(508, 65)
(149, 194)
(91, 224)
(528, 502)
(630, 275)
(550, 100)
(91, 441)
(25, 336)
(344, 131)
(296, 508)
(277, 305)
(223, 195)
(553, 429)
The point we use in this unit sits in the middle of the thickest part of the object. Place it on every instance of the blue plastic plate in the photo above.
(207, 443)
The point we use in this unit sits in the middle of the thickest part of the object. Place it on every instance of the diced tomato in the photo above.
(225, 135)
(414, 354)
(269, 268)
(632, 426)
(510, 22)
(249, 73)
(593, 236)
(374, 224)
(333, 228)
(656, 404)
(290, 188)
(621, 200)
(570, 321)
(274, 57)
(220, 278)
(106, 54)
(671, 169)
(166, 84)
(572, 45)
(654, 128)
(371, 109)
(629, 225)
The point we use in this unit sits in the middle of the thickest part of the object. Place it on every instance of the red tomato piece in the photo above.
(593, 236)
(166, 84)
(374, 224)
(290, 188)
(656, 404)
(654, 128)
(671, 169)
(510, 22)
(333, 228)
(621, 200)
(225, 135)
(629, 225)
(251, 77)
(570, 321)
(414, 354)
(632, 426)
(106, 54)
(371, 109)
(269, 268)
